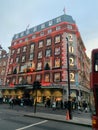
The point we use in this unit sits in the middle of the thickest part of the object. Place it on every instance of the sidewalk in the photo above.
(61, 118)
(48, 114)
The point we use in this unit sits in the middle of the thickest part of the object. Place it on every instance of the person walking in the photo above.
(11, 102)
(54, 105)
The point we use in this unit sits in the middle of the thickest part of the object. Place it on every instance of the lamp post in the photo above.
(68, 73)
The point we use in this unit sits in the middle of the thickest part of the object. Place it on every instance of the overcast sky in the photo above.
(15, 15)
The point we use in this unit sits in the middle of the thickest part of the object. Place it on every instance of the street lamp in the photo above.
(68, 73)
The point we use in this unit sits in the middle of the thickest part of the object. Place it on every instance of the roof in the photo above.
(52, 22)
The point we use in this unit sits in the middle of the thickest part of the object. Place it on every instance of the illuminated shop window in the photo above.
(24, 49)
(18, 50)
(40, 55)
(57, 39)
(57, 51)
(47, 77)
(48, 42)
(72, 77)
(56, 77)
(39, 66)
(48, 52)
(71, 61)
(31, 56)
(57, 63)
(23, 58)
(40, 44)
(38, 77)
(31, 48)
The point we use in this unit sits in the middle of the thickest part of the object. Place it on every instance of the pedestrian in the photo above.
(61, 104)
(85, 106)
(54, 105)
(11, 102)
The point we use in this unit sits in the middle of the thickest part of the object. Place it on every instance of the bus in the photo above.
(94, 88)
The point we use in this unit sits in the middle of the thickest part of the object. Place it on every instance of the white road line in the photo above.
(22, 128)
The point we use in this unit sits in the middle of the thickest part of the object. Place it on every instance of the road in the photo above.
(15, 120)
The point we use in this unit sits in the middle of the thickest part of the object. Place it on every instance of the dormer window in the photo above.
(50, 23)
(42, 26)
(35, 29)
(58, 20)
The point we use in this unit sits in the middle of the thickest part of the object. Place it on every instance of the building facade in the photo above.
(3, 64)
(40, 54)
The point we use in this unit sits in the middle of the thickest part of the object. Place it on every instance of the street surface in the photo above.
(14, 119)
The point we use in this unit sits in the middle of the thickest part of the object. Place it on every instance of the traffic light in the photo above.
(36, 85)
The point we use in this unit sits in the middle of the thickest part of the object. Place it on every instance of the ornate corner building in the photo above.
(40, 53)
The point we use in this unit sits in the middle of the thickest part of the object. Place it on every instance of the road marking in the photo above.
(22, 128)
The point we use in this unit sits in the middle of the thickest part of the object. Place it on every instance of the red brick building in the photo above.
(40, 53)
